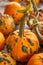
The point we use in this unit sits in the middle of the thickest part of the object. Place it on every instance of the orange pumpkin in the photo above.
(36, 59)
(22, 49)
(2, 41)
(5, 59)
(12, 10)
(22, 43)
(6, 24)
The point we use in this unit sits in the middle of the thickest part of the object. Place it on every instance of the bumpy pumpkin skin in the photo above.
(36, 59)
(2, 41)
(6, 24)
(22, 49)
(5, 59)
(12, 10)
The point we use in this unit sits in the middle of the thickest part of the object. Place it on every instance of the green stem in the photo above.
(38, 32)
(34, 5)
(22, 26)
(35, 25)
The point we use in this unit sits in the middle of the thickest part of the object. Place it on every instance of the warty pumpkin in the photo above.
(23, 43)
(2, 41)
(12, 10)
(6, 24)
(36, 59)
(6, 59)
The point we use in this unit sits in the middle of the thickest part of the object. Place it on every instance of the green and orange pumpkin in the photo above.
(6, 59)
(6, 24)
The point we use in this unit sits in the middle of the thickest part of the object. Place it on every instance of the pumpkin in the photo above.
(6, 59)
(2, 41)
(23, 43)
(36, 59)
(12, 10)
(6, 24)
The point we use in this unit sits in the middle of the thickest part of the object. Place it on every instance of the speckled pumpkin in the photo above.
(5, 59)
(2, 41)
(6, 24)
(13, 10)
(22, 49)
(36, 59)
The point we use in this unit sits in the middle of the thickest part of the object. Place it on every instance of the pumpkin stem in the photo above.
(34, 5)
(22, 26)
(35, 23)
(38, 33)
(23, 20)
(37, 30)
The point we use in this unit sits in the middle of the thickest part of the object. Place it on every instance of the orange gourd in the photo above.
(23, 43)
(22, 49)
(2, 41)
(12, 10)
(6, 24)
(36, 59)
(6, 59)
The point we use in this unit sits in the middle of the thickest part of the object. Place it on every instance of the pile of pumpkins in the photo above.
(21, 45)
